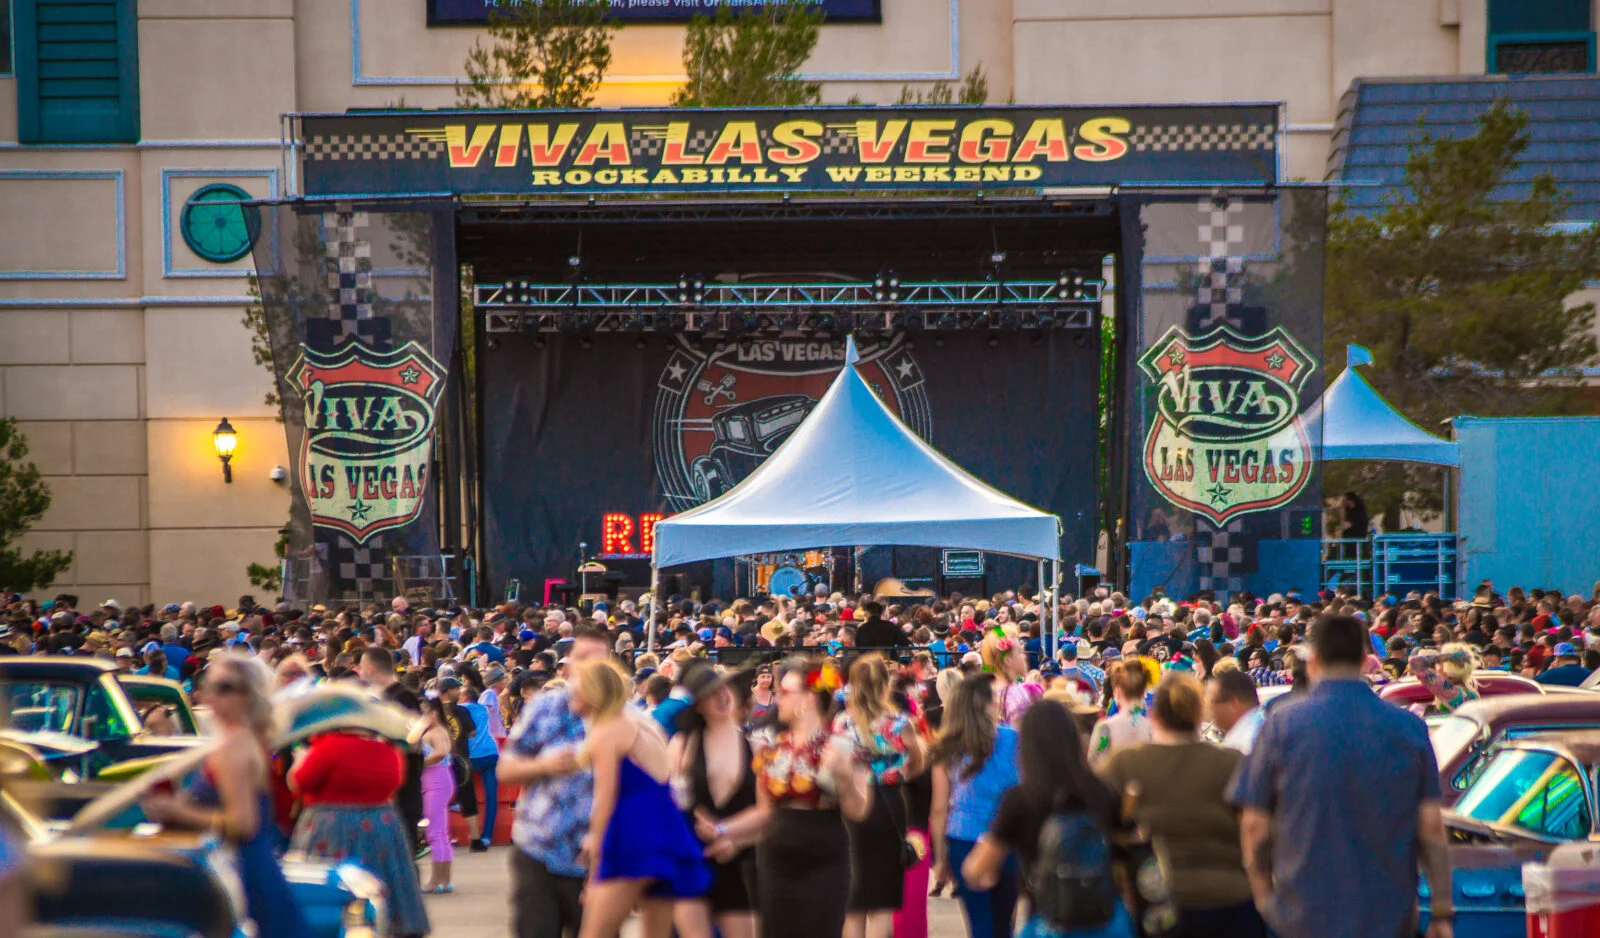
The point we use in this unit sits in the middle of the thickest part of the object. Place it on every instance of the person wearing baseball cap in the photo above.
(1566, 669)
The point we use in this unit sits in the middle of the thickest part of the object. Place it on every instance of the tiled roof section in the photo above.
(1379, 118)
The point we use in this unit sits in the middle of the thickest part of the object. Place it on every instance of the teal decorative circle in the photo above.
(216, 225)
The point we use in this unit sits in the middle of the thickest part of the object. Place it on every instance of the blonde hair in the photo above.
(255, 680)
(600, 685)
(1457, 662)
(1224, 664)
(945, 684)
(993, 657)
(869, 692)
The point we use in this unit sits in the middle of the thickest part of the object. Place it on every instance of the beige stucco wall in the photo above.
(120, 379)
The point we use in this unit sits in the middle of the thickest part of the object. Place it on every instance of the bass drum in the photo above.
(787, 581)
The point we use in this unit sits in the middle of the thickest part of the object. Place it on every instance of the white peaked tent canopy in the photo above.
(1353, 421)
(852, 473)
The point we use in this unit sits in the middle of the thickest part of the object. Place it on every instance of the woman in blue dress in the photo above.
(231, 798)
(639, 849)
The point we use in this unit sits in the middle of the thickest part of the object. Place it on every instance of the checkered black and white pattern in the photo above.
(1175, 137)
(358, 569)
(347, 266)
(1220, 555)
(372, 146)
(1219, 293)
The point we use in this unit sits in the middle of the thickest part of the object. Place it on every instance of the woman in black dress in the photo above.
(807, 782)
(713, 781)
(885, 740)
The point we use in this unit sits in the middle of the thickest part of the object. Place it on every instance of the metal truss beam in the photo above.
(796, 321)
(696, 295)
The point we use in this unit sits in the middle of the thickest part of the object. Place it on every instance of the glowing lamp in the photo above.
(223, 439)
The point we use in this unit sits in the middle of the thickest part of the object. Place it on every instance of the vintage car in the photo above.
(1464, 740)
(1531, 795)
(147, 690)
(746, 434)
(79, 697)
(80, 834)
(1408, 691)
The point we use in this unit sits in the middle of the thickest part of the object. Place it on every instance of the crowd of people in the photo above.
(824, 765)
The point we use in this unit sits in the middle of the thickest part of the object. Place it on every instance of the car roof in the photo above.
(149, 680)
(53, 666)
(1513, 708)
(1584, 744)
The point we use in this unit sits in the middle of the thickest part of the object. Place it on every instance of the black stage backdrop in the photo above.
(576, 428)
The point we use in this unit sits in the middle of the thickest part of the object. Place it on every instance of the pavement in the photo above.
(480, 906)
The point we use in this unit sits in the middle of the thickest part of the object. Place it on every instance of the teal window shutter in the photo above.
(77, 71)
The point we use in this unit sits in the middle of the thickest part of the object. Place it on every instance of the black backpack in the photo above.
(1071, 882)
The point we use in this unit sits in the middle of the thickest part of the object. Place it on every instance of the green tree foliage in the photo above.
(542, 54)
(1463, 298)
(24, 498)
(750, 59)
(974, 89)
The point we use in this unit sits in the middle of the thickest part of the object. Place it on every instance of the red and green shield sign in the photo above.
(369, 419)
(1227, 438)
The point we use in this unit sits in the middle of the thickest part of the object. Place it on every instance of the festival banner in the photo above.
(476, 12)
(360, 311)
(786, 149)
(1224, 487)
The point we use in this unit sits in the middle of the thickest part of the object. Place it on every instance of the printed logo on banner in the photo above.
(368, 443)
(1227, 438)
(720, 412)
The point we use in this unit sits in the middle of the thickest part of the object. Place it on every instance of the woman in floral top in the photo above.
(886, 741)
(808, 782)
(1130, 725)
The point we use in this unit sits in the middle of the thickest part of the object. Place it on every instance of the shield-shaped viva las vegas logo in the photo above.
(369, 435)
(1227, 438)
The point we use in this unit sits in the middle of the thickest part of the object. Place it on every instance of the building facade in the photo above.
(121, 336)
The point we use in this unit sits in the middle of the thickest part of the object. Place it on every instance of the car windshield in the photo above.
(1451, 736)
(1532, 789)
(769, 423)
(39, 706)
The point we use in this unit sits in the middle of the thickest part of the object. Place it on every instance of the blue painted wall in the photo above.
(1529, 508)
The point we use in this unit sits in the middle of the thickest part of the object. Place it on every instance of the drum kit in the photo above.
(790, 574)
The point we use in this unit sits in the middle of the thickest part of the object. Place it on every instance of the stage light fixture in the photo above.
(698, 293)
(683, 288)
(1010, 320)
(880, 288)
(997, 258)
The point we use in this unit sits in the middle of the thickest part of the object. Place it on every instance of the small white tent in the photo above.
(853, 474)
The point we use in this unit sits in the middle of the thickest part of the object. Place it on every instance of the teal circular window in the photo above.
(217, 225)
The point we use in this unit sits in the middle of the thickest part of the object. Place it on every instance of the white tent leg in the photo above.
(1055, 604)
(655, 607)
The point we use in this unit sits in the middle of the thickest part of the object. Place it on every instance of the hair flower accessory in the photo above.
(825, 677)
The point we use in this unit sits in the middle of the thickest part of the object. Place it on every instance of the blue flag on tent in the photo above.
(1357, 355)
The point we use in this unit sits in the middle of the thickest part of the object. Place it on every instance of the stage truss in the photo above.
(826, 308)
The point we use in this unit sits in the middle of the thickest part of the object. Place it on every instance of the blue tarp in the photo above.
(1353, 421)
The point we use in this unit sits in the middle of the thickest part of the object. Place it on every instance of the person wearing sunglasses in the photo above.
(231, 797)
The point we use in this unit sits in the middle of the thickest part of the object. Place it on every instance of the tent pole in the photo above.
(1055, 605)
(1044, 637)
(655, 607)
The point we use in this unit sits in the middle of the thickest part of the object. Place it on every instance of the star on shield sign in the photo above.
(1275, 360)
(410, 375)
(359, 510)
(1218, 494)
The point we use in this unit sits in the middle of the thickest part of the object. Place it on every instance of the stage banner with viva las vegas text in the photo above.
(786, 149)
(361, 312)
(1223, 483)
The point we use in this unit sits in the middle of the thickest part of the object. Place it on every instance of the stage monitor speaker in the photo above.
(1088, 579)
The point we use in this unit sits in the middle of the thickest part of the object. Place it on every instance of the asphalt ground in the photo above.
(480, 906)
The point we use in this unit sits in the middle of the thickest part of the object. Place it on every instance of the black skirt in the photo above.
(877, 880)
(803, 874)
